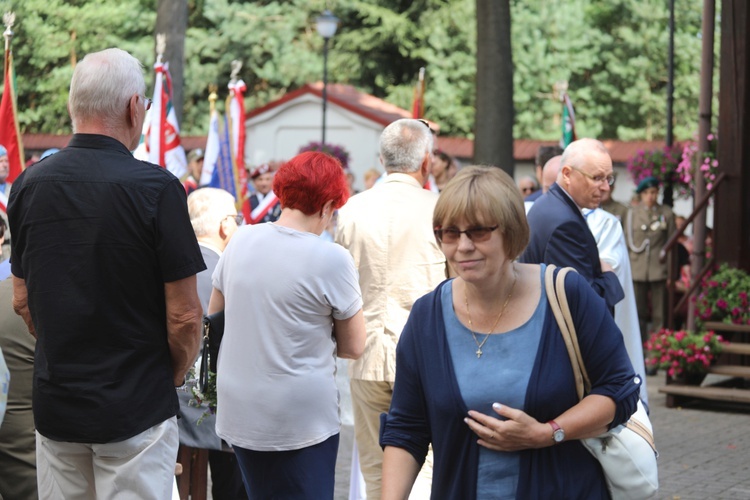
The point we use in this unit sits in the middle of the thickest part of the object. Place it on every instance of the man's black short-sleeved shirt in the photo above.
(96, 234)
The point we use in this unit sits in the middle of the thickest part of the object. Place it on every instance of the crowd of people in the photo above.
(430, 282)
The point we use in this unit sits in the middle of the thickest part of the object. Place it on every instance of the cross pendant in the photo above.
(479, 353)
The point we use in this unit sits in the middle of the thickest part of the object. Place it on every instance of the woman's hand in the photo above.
(518, 432)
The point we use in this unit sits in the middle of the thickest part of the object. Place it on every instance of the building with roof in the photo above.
(355, 120)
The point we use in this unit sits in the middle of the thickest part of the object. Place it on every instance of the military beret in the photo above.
(646, 183)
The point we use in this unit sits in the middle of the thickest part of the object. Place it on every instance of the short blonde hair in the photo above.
(483, 195)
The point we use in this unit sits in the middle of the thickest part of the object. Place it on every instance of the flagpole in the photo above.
(237, 117)
(10, 134)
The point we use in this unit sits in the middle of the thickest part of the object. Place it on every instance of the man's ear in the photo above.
(132, 113)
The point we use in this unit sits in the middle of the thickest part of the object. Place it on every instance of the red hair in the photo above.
(309, 180)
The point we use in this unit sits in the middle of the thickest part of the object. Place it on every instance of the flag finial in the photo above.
(236, 67)
(212, 95)
(9, 18)
(161, 46)
(560, 88)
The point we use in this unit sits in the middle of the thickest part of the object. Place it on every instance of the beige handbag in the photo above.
(626, 453)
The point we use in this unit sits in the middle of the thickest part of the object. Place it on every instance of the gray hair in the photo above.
(207, 207)
(577, 152)
(102, 84)
(531, 179)
(403, 145)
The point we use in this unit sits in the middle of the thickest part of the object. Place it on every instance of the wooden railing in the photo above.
(669, 253)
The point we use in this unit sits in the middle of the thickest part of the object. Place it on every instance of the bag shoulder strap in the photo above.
(560, 308)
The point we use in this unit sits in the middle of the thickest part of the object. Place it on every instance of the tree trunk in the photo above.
(171, 19)
(493, 134)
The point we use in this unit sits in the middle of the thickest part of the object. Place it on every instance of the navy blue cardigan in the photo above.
(427, 406)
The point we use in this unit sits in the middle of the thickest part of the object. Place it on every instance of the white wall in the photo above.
(279, 133)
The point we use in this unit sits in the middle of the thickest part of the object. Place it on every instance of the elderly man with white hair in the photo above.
(559, 234)
(104, 264)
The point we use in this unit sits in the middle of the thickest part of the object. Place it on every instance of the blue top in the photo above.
(500, 375)
(427, 406)
(4, 269)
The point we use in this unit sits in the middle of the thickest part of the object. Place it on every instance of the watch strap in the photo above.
(555, 428)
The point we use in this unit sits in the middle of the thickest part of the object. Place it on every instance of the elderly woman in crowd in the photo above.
(292, 301)
(482, 370)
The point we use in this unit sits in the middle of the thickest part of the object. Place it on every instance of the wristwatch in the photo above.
(558, 434)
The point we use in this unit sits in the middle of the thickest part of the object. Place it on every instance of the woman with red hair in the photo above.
(292, 303)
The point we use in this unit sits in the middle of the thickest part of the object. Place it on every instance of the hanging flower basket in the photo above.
(677, 165)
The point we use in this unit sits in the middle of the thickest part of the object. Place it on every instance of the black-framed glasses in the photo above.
(147, 102)
(527, 190)
(239, 218)
(609, 179)
(475, 234)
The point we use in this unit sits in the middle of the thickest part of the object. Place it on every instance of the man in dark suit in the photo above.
(559, 234)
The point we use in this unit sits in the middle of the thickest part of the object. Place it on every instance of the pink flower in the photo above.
(721, 304)
(679, 335)
(710, 137)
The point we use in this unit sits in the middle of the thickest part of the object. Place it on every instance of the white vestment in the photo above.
(610, 240)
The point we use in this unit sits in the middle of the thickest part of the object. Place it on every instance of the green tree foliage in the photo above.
(51, 35)
(612, 53)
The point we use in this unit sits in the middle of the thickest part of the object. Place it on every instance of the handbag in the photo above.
(627, 453)
(213, 331)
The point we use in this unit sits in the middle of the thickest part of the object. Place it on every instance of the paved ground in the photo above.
(704, 453)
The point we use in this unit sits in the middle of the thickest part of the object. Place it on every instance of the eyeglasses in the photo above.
(146, 102)
(239, 218)
(609, 179)
(475, 234)
(527, 190)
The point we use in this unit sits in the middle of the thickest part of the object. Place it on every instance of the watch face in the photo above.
(559, 435)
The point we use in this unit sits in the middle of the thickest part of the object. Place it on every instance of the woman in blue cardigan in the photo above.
(482, 370)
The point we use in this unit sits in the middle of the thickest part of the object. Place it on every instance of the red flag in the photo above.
(417, 107)
(10, 137)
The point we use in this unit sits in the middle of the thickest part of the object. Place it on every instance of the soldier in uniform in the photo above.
(648, 226)
(612, 206)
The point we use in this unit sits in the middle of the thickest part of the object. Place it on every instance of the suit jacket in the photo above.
(560, 236)
(192, 433)
(211, 258)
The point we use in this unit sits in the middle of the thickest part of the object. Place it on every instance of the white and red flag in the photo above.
(160, 141)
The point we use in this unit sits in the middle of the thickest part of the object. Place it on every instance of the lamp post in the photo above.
(326, 23)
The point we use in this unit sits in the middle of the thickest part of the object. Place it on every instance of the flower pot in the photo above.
(689, 378)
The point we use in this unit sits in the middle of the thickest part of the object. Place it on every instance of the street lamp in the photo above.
(326, 23)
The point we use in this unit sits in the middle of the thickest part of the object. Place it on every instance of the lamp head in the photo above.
(327, 23)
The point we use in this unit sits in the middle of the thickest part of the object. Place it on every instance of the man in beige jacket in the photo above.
(388, 230)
